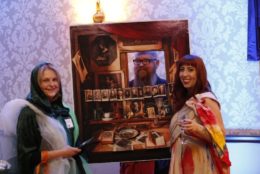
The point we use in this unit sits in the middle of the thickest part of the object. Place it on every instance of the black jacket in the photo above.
(28, 135)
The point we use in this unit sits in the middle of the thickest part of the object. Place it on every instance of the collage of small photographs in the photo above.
(133, 93)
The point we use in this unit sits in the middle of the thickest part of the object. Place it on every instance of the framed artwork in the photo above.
(105, 94)
(150, 112)
(162, 90)
(127, 93)
(142, 79)
(134, 109)
(88, 95)
(134, 93)
(97, 95)
(148, 91)
(155, 90)
(137, 126)
(104, 50)
(109, 80)
(113, 94)
(120, 94)
(140, 92)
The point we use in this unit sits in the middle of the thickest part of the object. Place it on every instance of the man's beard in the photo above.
(142, 75)
(143, 78)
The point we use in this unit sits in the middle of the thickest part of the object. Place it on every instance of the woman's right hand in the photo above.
(69, 151)
(66, 152)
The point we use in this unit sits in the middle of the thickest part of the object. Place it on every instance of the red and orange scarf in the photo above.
(218, 148)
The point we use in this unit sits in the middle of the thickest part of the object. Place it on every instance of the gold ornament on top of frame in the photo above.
(99, 16)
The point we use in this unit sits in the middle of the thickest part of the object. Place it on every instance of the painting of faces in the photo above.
(134, 93)
(124, 94)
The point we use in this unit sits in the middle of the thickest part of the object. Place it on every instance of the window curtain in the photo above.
(253, 47)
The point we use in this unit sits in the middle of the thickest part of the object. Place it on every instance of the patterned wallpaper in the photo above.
(32, 31)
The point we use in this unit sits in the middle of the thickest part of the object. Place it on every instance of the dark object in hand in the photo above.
(87, 142)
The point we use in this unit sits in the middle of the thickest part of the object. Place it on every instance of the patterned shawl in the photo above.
(218, 148)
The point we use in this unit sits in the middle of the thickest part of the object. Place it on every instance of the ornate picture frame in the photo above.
(135, 114)
(109, 80)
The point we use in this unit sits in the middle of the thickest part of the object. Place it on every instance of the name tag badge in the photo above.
(69, 123)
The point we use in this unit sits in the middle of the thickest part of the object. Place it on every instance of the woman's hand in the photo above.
(189, 126)
(66, 152)
(70, 151)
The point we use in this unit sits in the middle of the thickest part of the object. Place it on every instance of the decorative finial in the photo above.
(99, 16)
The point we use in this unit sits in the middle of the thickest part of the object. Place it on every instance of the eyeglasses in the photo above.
(144, 61)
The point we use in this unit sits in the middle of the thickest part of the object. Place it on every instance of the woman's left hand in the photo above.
(190, 126)
(193, 128)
